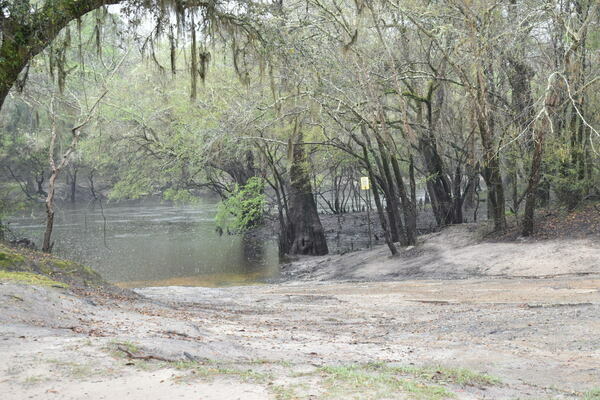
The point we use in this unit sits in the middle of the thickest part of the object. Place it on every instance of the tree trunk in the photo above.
(305, 233)
(534, 180)
(458, 195)
(491, 168)
(438, 185)
(48, 244)
(393, 206)
(281, 219)
(378, 205)
(92, 187)
(408, 207)
(39, 180)
(496, 203)
(386, 183)
(471, 169)
(73, 185)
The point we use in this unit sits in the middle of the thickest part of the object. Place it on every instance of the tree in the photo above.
(56, 167)
(29, 27)
(305, 234)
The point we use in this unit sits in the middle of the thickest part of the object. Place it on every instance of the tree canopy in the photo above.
(455, 103)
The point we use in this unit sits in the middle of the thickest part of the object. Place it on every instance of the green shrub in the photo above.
(245, 207)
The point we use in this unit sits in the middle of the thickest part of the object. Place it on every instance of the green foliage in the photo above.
(131, 187)
(179, 196)
(566, 178)
(244, 209)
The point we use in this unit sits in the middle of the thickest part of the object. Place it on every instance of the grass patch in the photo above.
(593, 394)
(30, 279)
(8, 259)
(34, 380)
(67, 267)
(71, 274)
(115, 348)
(459, 376)
(79, 370)
(366, 382)
(56, 269)
(212, 369)
(379, 380)
(284, 392)
(129, 346)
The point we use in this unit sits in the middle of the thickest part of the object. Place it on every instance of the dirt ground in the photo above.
(453, 317)
(458, 252)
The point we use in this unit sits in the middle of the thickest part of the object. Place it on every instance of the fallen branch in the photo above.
(142, 357)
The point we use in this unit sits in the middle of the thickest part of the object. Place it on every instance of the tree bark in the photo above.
(305, 233)
(495, 189)
(92, 188)
(393, 206)
(491, 168)
(73, 182)
(408, 206)
(386, 233)
(534, 180)
(47, 243)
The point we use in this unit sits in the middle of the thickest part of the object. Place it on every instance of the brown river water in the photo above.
(140, 245)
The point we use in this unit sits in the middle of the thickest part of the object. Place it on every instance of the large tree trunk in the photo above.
(305, 234)
(519, 77)
(39, 180)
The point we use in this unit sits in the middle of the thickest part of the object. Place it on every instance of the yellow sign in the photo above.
(364, 183)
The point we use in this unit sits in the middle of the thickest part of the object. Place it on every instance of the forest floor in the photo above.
(460, 315)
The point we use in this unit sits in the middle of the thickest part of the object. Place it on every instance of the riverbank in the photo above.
(457, 252)
(458, 316)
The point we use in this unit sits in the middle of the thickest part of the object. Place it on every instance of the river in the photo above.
(150, 244)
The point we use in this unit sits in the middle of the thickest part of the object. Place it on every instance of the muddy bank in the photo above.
(457, 252)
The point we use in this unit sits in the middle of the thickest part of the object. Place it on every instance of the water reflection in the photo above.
(154, 244)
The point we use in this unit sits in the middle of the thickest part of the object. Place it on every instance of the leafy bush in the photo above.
(244, 209)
